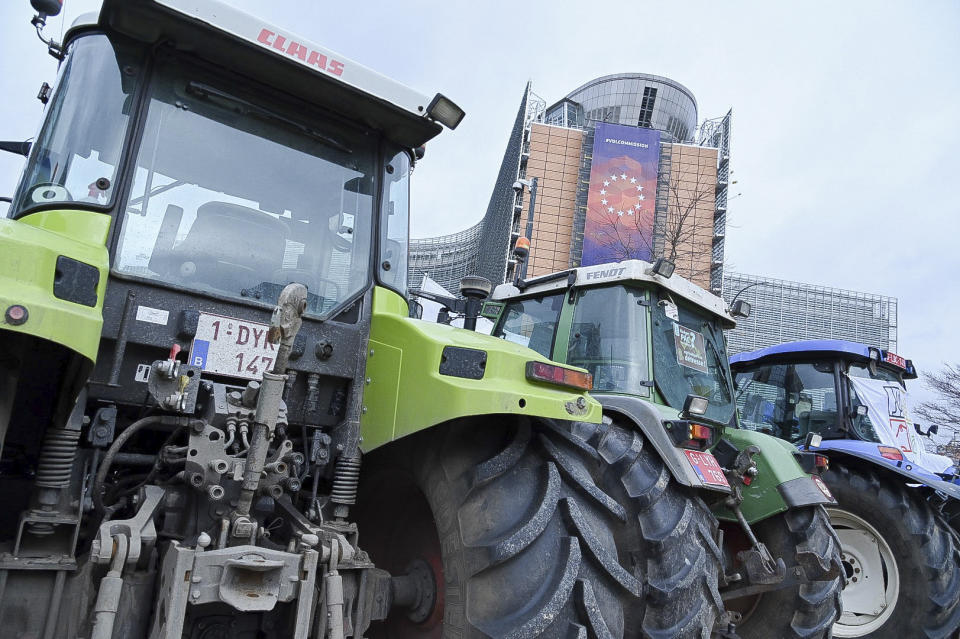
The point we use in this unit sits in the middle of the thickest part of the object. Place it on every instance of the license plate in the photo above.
(707, 468)
(229, 346)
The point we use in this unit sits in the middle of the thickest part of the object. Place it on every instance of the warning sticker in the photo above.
(691, 348)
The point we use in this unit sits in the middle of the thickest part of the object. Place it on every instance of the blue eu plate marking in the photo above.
(198, 354)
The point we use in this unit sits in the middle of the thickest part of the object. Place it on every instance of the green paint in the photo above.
(775, 462)
(29, 248)
(776, 465)
(406, 393)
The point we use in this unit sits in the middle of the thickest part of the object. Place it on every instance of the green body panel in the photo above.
(29, 248)
(776, 465)
(405, 392)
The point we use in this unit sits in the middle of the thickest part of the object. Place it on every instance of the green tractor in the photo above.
(654, 344)
(217, 417)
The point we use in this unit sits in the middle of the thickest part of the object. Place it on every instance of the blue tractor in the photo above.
(898, 504)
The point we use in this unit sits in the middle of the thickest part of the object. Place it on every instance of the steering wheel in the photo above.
(49, 192)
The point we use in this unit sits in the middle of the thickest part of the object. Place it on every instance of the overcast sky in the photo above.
(846, 123)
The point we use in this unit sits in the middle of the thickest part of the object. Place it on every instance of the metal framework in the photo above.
(784, 311)
(716, 133)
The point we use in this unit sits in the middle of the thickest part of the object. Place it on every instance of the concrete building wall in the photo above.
(555, 162)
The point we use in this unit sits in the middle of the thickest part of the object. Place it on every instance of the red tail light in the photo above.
(889, 452)
(559, 375)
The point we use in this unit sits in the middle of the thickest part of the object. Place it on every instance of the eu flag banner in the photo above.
(623, 187)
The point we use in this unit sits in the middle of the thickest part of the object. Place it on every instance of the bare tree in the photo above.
(944, 411)
(679, 235)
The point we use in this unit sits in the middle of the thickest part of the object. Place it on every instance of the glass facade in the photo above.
(784, 311)
(640, 99)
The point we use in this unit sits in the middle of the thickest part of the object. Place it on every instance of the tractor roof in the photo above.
(626, 271)
(221, 34)
(825, 348)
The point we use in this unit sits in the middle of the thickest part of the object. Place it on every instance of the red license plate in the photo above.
(707, 468)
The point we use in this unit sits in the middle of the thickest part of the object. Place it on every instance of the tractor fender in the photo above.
(649, 421)
(867, 452)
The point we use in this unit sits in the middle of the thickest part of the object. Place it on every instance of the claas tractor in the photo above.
(217, 416)
(896, 515)
(740, 513)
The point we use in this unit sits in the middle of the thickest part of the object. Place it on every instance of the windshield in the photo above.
(531, 322)
(608, 337)
(235, 199)
(74, 159)
(789, 400)
(688, 358)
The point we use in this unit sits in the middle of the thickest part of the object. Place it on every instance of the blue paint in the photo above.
(198, 354)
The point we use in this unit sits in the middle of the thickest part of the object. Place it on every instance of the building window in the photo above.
(646, 106)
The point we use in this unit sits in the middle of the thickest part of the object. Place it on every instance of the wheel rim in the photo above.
(871, 579)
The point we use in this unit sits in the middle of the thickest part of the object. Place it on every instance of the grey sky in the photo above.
(845, 139)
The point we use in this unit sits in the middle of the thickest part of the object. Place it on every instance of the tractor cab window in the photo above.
(74, 158)
(860, 420)
(395, 226)
(235, 197)
(531, 322)
(608, 337)
(789, 400)
(689, 358)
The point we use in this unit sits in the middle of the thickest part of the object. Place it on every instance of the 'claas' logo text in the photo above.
(297, 50)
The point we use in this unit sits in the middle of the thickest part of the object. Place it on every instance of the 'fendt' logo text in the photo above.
(297, 50)
(610, 272)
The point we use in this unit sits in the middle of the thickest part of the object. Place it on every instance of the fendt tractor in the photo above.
(219, 420)
(654, 343)
(897, 508)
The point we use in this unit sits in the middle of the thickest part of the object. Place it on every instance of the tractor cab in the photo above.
(230, 167)
(638, 332)
(832, 390)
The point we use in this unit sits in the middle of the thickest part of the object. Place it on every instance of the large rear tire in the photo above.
(901, 561)
(543, 530)
(807, 611)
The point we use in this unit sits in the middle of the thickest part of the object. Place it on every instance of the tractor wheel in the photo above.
(900, 559)
(539, 529)
(801, 536)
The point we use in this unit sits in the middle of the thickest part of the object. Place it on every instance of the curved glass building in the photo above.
(632, 99)
(541, 190)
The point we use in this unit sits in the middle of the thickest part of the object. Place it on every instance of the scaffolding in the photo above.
(784, 311)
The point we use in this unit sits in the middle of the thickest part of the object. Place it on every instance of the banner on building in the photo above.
(623, 189)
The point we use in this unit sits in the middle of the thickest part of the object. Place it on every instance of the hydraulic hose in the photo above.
(118, 443)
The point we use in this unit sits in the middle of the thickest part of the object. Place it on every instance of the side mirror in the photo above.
(740, 309)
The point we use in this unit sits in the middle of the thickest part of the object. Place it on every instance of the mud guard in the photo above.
(867, 452)
(650, 422)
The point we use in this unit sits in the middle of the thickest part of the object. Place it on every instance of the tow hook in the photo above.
(761, 567)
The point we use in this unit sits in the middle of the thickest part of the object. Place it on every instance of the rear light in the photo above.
(812, 463)
(889, 452)
(700, 432)
(559, 375)
(690, 435)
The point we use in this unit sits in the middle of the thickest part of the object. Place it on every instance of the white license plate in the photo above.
(229, 346)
